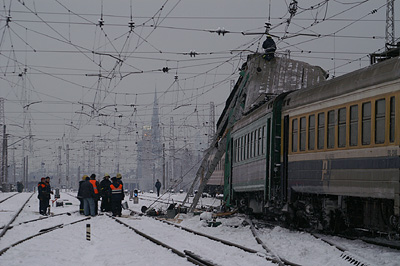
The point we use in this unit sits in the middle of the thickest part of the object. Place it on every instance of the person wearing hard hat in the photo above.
(105, 193)
(96, 198)
(117, 195)
(80, 194)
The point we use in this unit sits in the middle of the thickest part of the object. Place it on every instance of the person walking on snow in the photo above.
(158, 186)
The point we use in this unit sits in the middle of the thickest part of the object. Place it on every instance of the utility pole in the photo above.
(211, 126)
(4, 158)
(390, 37)
(59, 166)
(67, 170)
(218, 145)
(172, 149)
(163, 166)
(3, 145)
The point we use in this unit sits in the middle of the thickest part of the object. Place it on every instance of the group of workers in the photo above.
(111, 194)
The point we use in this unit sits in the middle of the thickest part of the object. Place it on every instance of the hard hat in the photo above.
(84, 177)
(119, 175)
(106, 174)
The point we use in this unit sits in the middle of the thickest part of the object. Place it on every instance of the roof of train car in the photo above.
(379, 73)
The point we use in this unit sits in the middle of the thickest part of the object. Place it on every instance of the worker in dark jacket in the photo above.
(105, 193)
(117, 195)
(269, 48)
(46, 191)
(87, 193)
(95, 185)
(41, 187)
(81, 210)
(158, 186)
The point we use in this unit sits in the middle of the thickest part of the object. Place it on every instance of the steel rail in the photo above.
(41, 232)
(7, 226)
(197, 260)
(1, 201)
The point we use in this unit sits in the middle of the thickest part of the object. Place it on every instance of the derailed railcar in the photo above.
(341, 150)
(252, 167)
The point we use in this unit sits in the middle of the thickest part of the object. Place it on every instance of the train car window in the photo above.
(380, 117)
(366, 124)
(255, 143)
(392, 119)
(235, 150)
(302, 133)
(294, 135)
(240, 149)
(311, 132)
(259, 142)
(321, 130)
(354, 125)
(246, 146)
(262, 140)
(331, 129)
(342, 127)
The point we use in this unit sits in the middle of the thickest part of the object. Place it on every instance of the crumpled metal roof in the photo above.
(281, 74)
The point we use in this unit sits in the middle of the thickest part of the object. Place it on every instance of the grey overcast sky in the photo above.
(75, 69)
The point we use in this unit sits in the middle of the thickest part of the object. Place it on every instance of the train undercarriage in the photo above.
(325, 213)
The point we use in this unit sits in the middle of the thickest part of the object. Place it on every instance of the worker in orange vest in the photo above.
(117, 195)
(95, 185)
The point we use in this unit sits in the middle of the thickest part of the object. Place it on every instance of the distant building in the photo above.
(149, 161)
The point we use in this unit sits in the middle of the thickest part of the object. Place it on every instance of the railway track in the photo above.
(9, 197)
(198, 253)
(7, 226)
(344, 255)
(165, 201)
(41, 232)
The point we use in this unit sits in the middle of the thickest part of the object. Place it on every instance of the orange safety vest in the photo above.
(116, 190)
(93, 181)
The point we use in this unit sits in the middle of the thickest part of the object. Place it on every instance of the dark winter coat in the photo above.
(46, 191)
(158, 185)
(79, 189)
(86, 190)
(105, 189)
(41, 187)
(117, 191)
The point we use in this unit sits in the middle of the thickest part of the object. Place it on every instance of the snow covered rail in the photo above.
(39, 219)
(210, 237)
(190, 256)
(41, 232)
(278, 259)
(222, 244)
(7, 226)
(8, 197)
(347, 256)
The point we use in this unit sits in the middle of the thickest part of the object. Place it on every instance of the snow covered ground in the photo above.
(114, 244)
